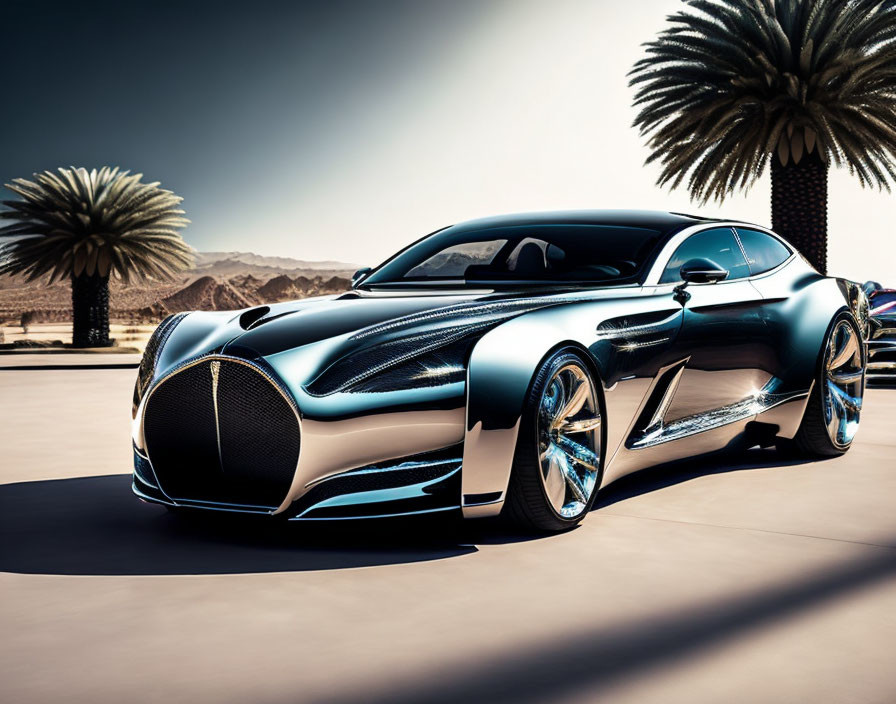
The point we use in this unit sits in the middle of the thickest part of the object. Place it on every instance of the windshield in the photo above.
(537, 254)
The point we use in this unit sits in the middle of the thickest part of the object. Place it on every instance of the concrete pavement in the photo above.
(20, 360)
(743, 580)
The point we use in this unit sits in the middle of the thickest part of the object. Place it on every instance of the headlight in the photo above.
(446, 365)
(147, 369)
(433, 358)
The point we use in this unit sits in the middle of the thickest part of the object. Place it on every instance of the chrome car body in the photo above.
(408, 399)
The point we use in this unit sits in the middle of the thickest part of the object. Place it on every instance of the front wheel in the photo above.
(557, 464)
(832, 413)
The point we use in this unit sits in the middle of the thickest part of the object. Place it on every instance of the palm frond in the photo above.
(100, 222)
(731, 84)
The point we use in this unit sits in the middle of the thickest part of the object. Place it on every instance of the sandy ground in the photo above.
(739, 580)
(134, 335)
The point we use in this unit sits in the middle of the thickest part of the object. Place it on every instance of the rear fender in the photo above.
(798, 310)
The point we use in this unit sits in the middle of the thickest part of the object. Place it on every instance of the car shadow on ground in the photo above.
(95, 526)
(672, 473)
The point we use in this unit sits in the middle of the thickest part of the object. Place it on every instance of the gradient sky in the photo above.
(344, 129)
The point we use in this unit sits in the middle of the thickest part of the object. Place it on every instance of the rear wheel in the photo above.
(557, 465)
(835, 404)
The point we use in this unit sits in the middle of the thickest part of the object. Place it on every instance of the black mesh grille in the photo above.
(259, 436)
(150, 355)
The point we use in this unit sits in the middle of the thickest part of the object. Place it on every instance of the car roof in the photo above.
(662, 221)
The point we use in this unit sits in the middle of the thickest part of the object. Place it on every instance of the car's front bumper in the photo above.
(358, 455)
(424, 483)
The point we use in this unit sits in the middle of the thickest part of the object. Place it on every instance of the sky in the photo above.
(345, 129)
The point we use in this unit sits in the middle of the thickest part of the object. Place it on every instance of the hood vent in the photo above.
(252, 316)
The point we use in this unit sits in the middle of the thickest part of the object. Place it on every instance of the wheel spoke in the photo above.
(583, 425)
(574, 404)
(579, 453)
(844, 400)
(572, 480)
(843, 388)
(845, 349)
(554, 478)
(549, 400)
(842, 418)
(569, 469)
(843, 378)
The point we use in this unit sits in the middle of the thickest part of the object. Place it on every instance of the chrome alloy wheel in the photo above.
(844, 384)
(569, 440)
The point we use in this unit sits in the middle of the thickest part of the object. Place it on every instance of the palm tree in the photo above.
(733, 85)
(88, 226)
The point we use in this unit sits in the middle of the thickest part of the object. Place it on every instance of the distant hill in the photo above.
(286, 263)
(219, 281)
(205, 293)
(208, 293)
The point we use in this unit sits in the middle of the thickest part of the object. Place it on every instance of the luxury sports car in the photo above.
(510, 365)
(882, 338)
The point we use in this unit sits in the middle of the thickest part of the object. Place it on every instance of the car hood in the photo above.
(354, 321)
(300, 323)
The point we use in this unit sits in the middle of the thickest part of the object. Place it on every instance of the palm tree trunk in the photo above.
(800, 206)
(90, 307)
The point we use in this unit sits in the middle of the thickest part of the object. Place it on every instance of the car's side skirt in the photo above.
(660, 441)
(747, 408)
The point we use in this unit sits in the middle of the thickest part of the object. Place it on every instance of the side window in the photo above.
(453, 261)
(764, 252)
(718, 245)
(536, 258)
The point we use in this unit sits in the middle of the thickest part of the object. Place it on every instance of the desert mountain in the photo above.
(279, 288)
(219, 281)
(248, 259)
(205, 293)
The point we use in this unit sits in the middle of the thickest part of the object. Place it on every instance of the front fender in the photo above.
(504, 361)
(200, 332)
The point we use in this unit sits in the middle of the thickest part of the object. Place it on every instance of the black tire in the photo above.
(527, 506)
(812, 439)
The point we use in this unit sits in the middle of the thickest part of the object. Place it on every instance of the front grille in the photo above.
(219, 430)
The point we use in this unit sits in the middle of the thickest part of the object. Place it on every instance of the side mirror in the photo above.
(702, 271)
(360, 275)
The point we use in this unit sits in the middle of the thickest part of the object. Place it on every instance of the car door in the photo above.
(723, 335)
(784, 296)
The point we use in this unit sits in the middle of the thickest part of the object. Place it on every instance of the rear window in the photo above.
(764, 252)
